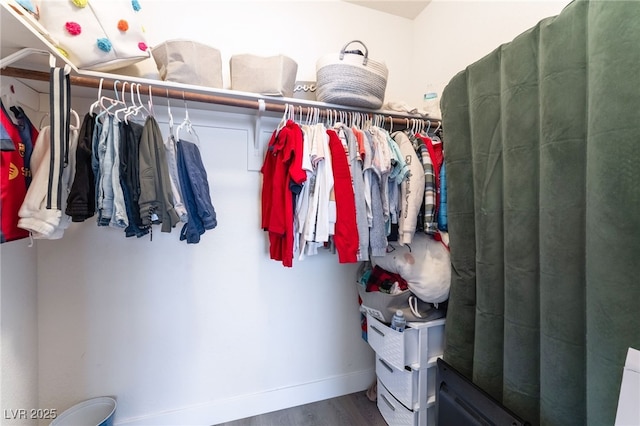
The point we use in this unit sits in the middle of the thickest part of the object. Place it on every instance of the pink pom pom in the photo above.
(143, 46)
(73, 28)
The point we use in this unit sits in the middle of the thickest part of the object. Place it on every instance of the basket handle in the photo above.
(366, 51)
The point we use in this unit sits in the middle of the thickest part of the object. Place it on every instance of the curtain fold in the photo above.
(543, 167)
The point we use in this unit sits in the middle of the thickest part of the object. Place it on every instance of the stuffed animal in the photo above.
(425, 265)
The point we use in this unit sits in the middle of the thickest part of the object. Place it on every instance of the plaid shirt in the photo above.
(429, 218)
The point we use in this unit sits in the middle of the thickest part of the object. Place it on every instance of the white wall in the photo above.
(203, 333)
(19, 328)
(304, 30)
(451, 34)
(216, 331)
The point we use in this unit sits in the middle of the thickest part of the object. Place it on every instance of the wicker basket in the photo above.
(351, 78)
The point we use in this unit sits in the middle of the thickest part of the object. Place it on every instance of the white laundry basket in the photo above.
(92, 412)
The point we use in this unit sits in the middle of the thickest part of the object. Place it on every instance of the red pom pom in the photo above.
(73, 28)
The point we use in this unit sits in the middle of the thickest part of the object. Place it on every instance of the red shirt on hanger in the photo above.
(13, 185)
(346, 232)
(282, 178)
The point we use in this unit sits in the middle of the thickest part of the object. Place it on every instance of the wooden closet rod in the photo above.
(219, 99)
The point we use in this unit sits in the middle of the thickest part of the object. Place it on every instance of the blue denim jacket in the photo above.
(195, 190)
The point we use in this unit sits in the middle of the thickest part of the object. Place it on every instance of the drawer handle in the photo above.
(377, 331)
(385, 365)
(388, 403)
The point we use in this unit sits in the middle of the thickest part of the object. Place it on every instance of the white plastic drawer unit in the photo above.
(393, 411)
(417, 346)
(403, 384)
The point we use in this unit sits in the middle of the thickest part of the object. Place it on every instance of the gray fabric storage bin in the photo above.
(270, 76)
(189, 62)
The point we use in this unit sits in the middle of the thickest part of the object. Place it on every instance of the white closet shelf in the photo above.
(16, 34)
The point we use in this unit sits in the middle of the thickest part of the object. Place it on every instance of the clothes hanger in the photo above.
(125, 107)
(435, 139)
(77, 125)
(97, 102)
(150, 102)
(171, 125)
(421, 131)
(283, 121)
(309, 116)
(134, 108)
(376, 121)
(140, 107)
(328, 119)
(114, 102)
(188, 126)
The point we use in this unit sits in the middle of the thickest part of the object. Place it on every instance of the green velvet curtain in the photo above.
(542, 140)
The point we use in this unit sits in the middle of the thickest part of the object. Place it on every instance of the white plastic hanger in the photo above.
(106, 109)
(171, 125)
(97, 102)
(125, 108)
(285, 117)
(139, 108)
(188, 126)
(150, 102)
(257, 132)
(77, 125)
(435, 140)
(133, 108)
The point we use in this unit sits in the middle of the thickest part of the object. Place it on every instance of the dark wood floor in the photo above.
(349, 410)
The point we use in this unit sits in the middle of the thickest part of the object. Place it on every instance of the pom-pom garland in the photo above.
(73, 28)
(104, 44)
(123, 25)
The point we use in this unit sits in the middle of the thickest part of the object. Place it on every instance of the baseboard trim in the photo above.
(239, 407)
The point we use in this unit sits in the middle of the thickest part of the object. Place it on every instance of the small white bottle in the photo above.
(398, 322)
